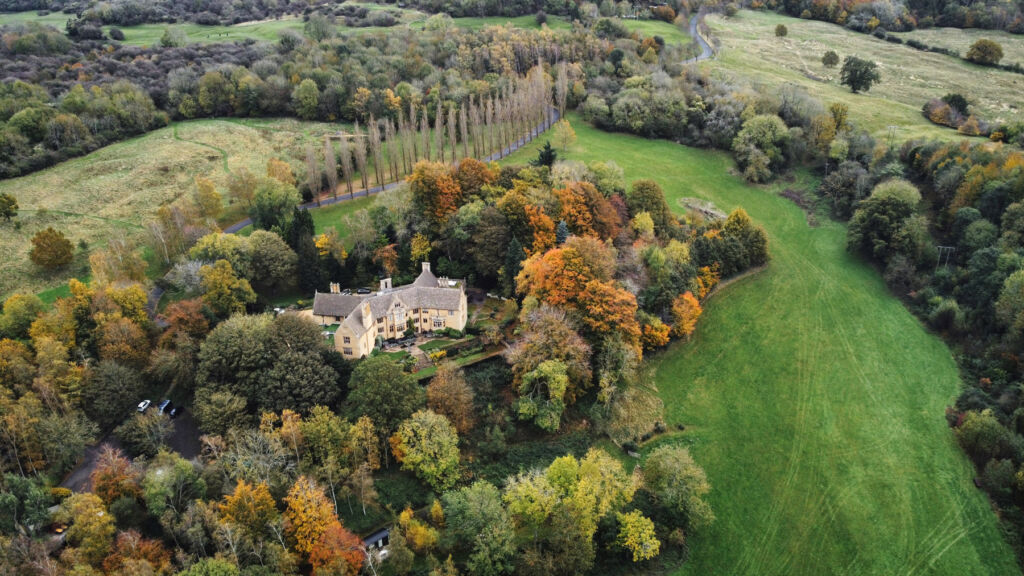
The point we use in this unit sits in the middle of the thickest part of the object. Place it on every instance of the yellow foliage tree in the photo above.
(207, 198)
(685, 312)
(280, 171)
(308, 515)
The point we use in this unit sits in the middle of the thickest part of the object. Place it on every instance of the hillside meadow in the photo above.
(813, 399)
(961, 39)
(909, 77)
(116, 188)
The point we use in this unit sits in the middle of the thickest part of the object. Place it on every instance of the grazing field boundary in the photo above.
(813, 399)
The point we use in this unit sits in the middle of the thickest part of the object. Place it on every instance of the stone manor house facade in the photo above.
(431, 303)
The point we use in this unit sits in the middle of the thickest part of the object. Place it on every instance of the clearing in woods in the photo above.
(813, 399)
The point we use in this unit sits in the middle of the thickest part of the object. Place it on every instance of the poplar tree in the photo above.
(313, 175)
(359, 146)
(346, 165)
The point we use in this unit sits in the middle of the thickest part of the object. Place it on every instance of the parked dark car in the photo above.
(165, 406)
(363, 291)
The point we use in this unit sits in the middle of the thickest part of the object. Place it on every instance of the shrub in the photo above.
(830, 59)
(985, 52)
(116, 34)
(541, 18)
(664, 13)
(50, 249)
(781, 31)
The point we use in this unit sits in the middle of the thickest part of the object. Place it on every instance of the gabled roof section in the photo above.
(426, 279)
(328, 304)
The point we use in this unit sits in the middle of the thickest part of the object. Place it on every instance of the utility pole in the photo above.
(948, 251)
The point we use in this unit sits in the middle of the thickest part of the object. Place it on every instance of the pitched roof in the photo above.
(328, 304)
(426, 279)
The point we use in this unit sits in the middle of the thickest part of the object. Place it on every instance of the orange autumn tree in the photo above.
(115, 477)
(387, 258)
(338, 551)
(250, 507)
(707, 278)
(472, 175)
(555, 277)
(309, 514)
(606, 310)
(685, 312)
(542, 228)
(574, 210)
(653, 332)
(132, 552)
(435, 193)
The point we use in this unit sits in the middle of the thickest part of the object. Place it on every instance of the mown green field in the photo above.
(813, 399)
(909, 77)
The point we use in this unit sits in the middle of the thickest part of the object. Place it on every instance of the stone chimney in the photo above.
(385, 284)
(367, 315)
(426, 266)
(335, 288)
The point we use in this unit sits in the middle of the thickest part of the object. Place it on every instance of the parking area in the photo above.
(184, 440)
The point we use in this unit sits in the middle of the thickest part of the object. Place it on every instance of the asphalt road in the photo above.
(705, 48)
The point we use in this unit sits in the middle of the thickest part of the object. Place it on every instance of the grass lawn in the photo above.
(960, 39)
(813, 399)
(671, 33)
(434, 344)
(909, 77)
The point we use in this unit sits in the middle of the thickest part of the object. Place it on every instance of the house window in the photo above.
(438, 322)
(451, 312)
(348, 340)
(346, 351)
(380, 328)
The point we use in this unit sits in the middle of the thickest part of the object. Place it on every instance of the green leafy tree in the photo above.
(19, 311)
(273, 203)
(211, 567)
(223, 291)
(830, 59)
(546, 156)
(637, 536)
(51, 249)
(985, 52)
(477, 521)
(24, 505)
(428, 445)
(8, 206)
(385, 393)
(761, 147)
(145, 434)
(859, 74)
(90, 527)
(680, 485)
(111, 393)
(306, 99)
(171, 483)
(219, 411)
(542, 395)
(983, 437)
